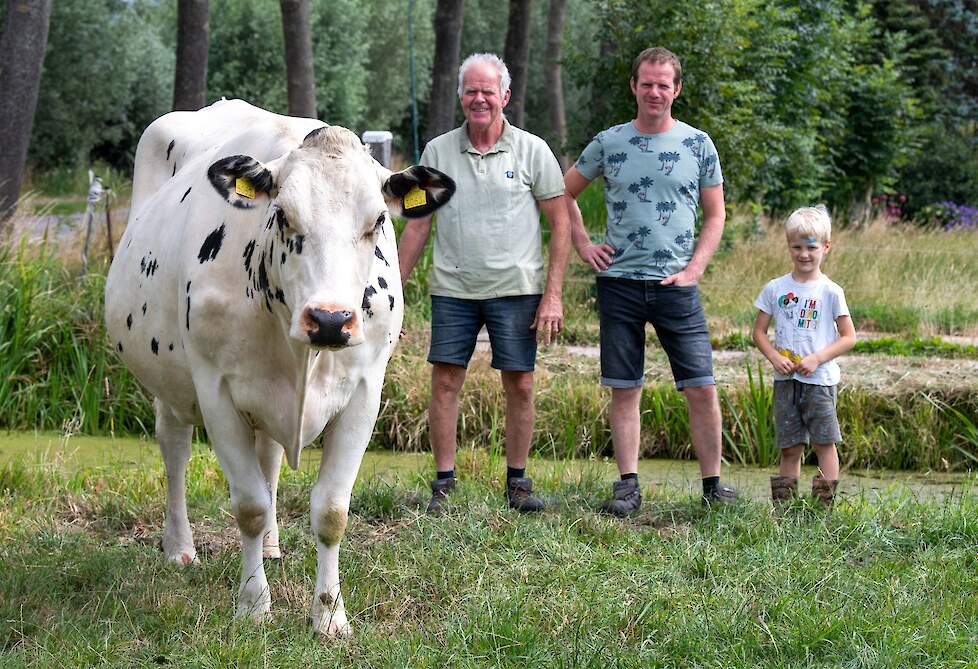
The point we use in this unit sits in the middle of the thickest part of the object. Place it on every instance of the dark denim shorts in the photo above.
(455, 323)
(626, 305)
(805, 413)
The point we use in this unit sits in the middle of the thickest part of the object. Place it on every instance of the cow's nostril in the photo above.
(329, 328)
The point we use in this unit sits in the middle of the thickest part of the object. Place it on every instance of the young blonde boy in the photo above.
(812, 327)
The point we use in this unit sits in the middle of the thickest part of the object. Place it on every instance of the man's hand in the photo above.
(687, 277)
(549, 319)
(598, 256)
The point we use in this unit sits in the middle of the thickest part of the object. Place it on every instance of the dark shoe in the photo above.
(519, 494)
(721, 495)
(440, 489)
(783, 490)
(823, 490)
(626, 498)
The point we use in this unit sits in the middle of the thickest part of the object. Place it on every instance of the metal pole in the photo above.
(414, 91)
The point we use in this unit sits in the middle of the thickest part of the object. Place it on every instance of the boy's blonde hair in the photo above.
(809, 222)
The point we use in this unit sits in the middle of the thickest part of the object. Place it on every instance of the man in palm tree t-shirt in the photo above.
(657, 171)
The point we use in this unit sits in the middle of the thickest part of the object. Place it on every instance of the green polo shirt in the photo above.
(487, 238)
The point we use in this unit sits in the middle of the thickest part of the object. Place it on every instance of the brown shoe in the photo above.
(626, 499)
(783, 489)
(440, 490)
(824, 490)
(519, 494)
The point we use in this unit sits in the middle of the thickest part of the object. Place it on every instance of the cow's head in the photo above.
(328, 207)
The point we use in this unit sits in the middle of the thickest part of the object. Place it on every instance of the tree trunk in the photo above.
(554, 82)
(517, 57)
(193, 40)
(298, 58)
(444, 68)
(22, 46)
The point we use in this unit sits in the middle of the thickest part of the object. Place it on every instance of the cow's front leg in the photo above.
(270, 455)
(174, 437)
(251, 500)
(346, 440)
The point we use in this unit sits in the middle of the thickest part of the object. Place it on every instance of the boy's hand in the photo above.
(782, 365)
(807, 365)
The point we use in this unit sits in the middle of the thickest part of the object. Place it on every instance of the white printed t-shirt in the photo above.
(804, 321)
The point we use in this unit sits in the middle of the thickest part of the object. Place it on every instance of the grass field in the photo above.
(882, 581)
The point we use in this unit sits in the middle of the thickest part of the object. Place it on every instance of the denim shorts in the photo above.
(805, 412)
(626, 305)
(456, 322)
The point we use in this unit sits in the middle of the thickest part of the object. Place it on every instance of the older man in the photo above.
(488, 268)
(657, 171)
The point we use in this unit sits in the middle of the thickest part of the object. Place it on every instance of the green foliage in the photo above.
(107, 74)
(57, 370)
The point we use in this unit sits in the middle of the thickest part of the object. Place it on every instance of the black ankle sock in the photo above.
(447, 474)
(514, 473)
(633, 475)
(710, 483)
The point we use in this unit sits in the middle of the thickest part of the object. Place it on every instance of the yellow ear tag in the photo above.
(244, 188)
(415, 198)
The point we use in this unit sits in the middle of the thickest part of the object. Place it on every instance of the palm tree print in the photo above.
(667, 161)
(661, 257)
(615, 161)
(665, 210)
(691, 192)
(708, 167)
(641, 142)
(618, 211)
(685, 240)
(640, 188)
(637, 238)
(695, 144)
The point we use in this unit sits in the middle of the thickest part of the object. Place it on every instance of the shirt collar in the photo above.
(504, 143)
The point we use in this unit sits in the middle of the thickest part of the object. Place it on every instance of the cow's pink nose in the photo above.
(327, 327)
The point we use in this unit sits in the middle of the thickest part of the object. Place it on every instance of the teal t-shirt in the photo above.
(652, 191)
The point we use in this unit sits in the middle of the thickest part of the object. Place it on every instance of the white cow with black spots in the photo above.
(256, 291)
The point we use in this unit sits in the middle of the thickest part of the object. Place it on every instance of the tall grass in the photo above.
(900, 279)
(57, 370)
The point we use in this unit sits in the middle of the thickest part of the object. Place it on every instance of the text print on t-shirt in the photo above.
(806, 317)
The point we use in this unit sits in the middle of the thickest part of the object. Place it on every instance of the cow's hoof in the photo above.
(181, 556)
(335, 628)
(255, 611)
(271, 552)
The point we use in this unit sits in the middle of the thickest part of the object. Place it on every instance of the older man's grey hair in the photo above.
(491, 59)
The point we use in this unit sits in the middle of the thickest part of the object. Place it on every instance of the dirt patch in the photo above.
(886, 374)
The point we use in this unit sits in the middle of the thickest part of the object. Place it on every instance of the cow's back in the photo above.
(175, 140)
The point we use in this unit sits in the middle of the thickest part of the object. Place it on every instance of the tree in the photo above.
(554, 80)
(22, 46)
(444, 69)
(517, 57)
(193, 41)
(298, 58)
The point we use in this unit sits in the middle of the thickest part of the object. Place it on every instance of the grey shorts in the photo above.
(455, 324)
(805, 413)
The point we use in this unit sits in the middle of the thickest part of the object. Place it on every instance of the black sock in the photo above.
(633, 475)
(710, 483)
(514, 473)
(447, 474)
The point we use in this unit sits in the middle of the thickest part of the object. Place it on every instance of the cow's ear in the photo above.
(241, 180)
(417, 191)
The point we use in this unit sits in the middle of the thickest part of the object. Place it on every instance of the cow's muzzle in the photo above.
(330, 329)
